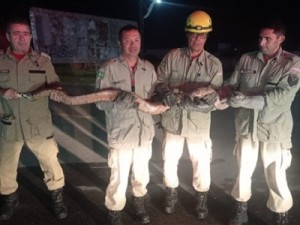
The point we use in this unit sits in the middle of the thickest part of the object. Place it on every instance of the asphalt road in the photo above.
(80, 132)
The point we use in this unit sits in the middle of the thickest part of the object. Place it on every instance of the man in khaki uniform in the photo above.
(266, 82)
(25, 121)
(182, 71)
(130, 131)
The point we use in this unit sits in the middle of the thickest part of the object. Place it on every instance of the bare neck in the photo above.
(194, 54)
(131, 60)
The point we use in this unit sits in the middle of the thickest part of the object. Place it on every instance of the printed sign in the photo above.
(75, 38)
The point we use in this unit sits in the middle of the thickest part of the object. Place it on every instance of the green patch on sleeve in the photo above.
(100, 74)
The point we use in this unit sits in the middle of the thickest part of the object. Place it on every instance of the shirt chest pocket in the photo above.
(4, 79)
(121, 84)
(37, 76)
(248, 79)
(202, 79)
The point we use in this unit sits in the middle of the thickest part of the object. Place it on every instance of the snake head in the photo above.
(25, 95)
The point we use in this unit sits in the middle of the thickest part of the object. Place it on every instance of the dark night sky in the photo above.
(234, 21)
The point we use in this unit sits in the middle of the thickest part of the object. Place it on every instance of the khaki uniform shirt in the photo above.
(127, 128)
(184, 75)
(23, 118)
(278, 81)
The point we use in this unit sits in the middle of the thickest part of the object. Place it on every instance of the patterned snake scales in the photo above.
(143, 105)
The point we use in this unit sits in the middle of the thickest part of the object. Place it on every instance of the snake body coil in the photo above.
(143, 105)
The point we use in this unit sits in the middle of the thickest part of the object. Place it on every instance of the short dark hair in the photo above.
(127, 27)
(276, 24)
(17, 20)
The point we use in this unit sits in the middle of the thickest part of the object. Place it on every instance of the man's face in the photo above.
(196, 41)
(269, 42)
(131, 43)
(19, 37)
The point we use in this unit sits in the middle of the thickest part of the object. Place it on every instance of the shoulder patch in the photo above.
(45, 55)
(293, 80)
(290, 56)
(100, 74)
(108, 62)
(174, 50)
(214, 59)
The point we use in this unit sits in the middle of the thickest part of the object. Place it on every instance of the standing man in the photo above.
(266, 82)
(182, 71)
(130, 132)
(24, 121)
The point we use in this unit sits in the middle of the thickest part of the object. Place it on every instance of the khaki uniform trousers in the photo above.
(247, 151)
(45, 150)
(200, 153)
(122, 162)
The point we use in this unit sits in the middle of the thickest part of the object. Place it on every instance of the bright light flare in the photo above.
(151, 8)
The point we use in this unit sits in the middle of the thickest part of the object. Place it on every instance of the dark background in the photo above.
(234, 21)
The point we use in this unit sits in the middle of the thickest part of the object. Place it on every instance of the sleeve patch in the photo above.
(293, 80)
(100, 74)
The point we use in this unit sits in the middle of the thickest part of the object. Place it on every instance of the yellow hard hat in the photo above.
(198, 22)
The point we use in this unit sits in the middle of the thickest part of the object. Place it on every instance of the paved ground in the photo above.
(80, 132)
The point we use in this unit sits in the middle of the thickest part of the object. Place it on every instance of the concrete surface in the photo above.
(80, 132)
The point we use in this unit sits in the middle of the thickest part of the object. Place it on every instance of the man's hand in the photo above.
(224, 92)
(195, 104)
(124, 100)
(165, 96)
(211, 98)
(186, 102)
(286, 159)
(10, 94)
(169, 99)
(249, 102)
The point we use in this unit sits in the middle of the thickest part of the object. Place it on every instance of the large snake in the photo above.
(143, 105)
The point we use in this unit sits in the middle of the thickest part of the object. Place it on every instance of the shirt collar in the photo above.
(275, 57)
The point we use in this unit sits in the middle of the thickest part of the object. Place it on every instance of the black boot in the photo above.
(10, 203)
(140, 211)
(201, 205)
(240, 214)
(59, 207)
(280, 218)
(114, 217)
(171, 199)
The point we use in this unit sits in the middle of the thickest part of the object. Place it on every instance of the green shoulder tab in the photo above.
(100, 74)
